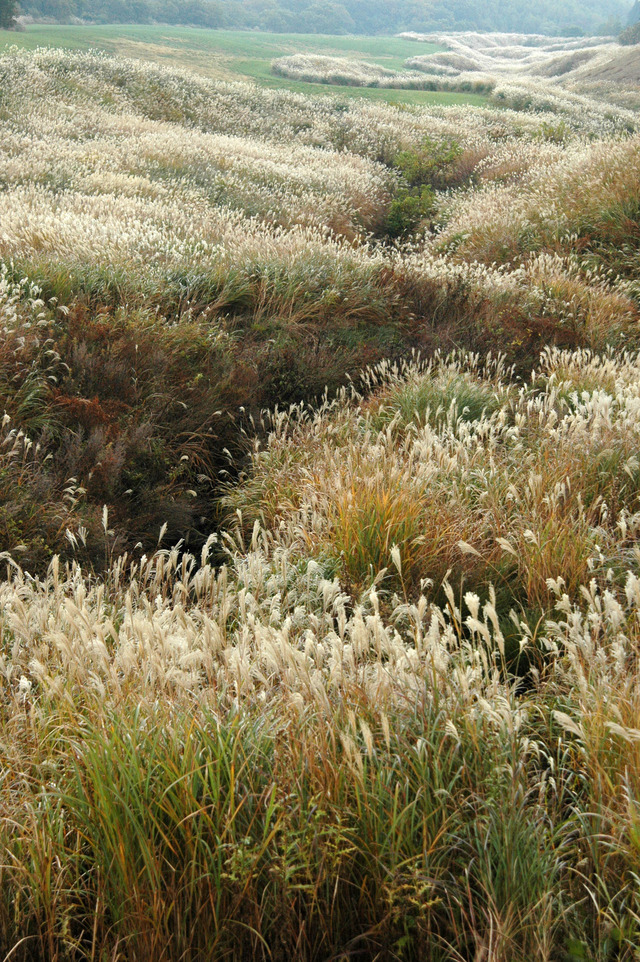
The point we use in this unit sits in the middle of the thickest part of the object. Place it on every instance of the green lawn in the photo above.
(240, 55)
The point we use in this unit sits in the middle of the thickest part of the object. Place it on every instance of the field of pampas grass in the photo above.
(550, 73)
(401, 715)
(167, 264)
(319, 517)
(578, 79)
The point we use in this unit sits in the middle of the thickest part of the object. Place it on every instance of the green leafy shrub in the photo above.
(407, 209)
(430, 164)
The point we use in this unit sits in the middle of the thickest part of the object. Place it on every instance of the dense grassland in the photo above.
(234, 55)
(289, 673)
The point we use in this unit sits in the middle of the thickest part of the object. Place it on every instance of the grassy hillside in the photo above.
(231, 55)
(305, 675)
(145, 209)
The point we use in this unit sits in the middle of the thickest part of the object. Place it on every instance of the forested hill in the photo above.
(350, 16)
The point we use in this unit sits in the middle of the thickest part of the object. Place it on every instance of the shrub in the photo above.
(429, 165)
(630, 35)
(407, 210)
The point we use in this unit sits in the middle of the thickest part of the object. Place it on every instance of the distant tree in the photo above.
(326, 17)
(349, 16)
(200, 14)
(631, 35)
(8, 11)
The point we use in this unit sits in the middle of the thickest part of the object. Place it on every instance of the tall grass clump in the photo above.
(451, 470)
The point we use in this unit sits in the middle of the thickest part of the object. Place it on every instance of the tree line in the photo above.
(568, 17)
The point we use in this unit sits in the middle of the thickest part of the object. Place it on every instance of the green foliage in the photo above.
(423, 171)
(430, 164)
(407, 210)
